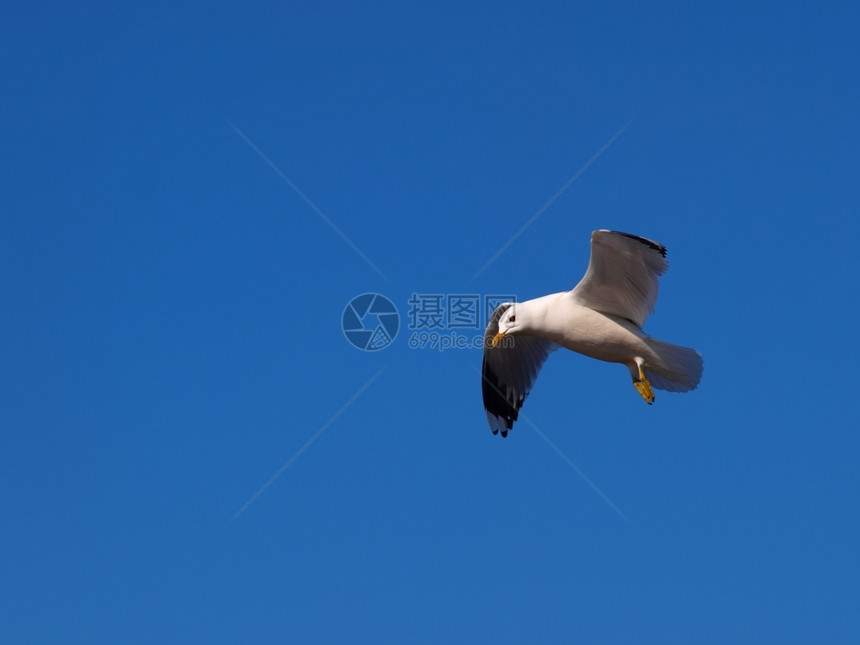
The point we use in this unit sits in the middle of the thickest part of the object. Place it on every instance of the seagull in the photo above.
(601, 317)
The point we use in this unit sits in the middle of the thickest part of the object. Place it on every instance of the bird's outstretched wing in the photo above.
(509, 371)
(622, 275)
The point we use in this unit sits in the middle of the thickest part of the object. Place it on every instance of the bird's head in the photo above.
(512, 321)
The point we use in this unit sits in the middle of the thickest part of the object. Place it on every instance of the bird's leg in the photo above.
(643, 386)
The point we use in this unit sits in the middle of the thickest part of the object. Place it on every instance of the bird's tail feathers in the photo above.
(677, 369)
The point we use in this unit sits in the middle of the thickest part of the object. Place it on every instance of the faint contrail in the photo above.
(308, 201)
(551, 200)
(308, 443)
(558, 451)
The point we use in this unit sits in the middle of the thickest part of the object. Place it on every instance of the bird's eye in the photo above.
(513, 319)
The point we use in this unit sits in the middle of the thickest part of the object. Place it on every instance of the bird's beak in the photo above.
(498, 338)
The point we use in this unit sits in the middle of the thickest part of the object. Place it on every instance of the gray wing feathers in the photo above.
(622, 274)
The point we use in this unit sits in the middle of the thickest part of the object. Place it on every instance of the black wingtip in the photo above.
(651, 243)
(495, 402)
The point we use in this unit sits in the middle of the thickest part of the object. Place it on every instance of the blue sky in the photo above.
(172, 312)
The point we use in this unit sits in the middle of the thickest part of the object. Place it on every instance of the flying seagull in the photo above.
(601, 317)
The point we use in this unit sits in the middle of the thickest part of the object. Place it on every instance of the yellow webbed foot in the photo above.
(644, 387)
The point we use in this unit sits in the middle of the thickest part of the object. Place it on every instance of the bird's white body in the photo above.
(585, 331)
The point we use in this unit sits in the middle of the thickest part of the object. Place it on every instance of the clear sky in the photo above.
(172, 309)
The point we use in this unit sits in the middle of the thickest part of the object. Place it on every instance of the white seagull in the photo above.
(601, 317)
